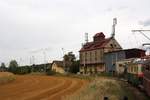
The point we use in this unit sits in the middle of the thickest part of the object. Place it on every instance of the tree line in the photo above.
(71, 65)
(16, 69)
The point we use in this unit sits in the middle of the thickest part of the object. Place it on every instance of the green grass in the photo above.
(37, 73)
(126, 91)
(70, 75)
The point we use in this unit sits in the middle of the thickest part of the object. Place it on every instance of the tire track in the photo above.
(21, 90)
(36, 89)
(52, 91)
(19, 84)
(77, 84)
(28, 87)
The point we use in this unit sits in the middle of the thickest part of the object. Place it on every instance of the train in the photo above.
(138, 74)
(135, 73)
(146, 77)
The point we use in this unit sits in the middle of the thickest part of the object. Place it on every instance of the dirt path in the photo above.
(29, 87)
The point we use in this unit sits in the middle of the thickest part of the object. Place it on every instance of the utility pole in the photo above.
(43, 51)
(63, 51)
(32, 60)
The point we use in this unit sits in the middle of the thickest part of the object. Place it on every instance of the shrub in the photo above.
(13, 65)
(37, 73)
(50, 72)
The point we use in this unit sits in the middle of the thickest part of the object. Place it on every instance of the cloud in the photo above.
(33, 24)
(145, 23)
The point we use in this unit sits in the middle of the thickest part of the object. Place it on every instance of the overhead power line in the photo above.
(141, 31)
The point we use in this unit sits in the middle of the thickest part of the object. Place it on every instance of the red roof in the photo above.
(95, 45)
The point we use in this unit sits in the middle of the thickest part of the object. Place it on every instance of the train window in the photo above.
(120, 65)
(147, 68)
(135, 69)
(111, 45)
(142, 68)
(131, 69)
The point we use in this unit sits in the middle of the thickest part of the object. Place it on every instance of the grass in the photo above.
(102, 85)
(126, 90)
(70, 75)
(129, 91)
(37, 73)
(100, 88)
(6, 77)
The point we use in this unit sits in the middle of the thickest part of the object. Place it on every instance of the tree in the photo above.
(3, 67)
(13, 65)
(68, 61)
(75, 67)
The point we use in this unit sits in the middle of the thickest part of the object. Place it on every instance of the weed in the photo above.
(98, 89)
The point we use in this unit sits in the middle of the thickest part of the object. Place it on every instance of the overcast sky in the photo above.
(30, 27)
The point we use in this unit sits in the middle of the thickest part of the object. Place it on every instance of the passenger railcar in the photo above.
(135, 73)
(146, 77)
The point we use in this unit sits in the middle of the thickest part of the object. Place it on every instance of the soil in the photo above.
(31, 87)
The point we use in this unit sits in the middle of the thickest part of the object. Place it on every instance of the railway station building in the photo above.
(92, 53)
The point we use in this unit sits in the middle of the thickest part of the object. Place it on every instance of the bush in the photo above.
(13, 65)
(23, 70)
(105, 74)
(37, 73)
(50, 72)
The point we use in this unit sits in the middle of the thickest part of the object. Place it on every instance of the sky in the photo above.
(35, 31)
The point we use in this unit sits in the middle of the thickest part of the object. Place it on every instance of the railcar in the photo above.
(135, 73)
(146, 77)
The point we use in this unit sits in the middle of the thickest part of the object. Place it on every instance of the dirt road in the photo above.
(28, 87)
